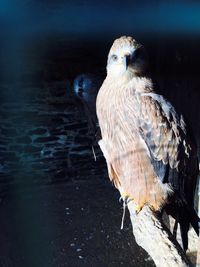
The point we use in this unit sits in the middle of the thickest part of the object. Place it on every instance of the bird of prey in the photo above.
(86, 87)
(150, 152)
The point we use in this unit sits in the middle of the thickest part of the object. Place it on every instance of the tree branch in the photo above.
(151, 233)
(154, 237)
(198, 253)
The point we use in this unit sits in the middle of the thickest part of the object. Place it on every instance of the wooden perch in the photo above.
(198, 253)
(150, 232)
(154, 237)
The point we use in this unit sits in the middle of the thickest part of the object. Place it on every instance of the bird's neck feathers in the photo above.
(137, 84)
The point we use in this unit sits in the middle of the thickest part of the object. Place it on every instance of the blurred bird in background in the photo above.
(150, 152)
(86, 87)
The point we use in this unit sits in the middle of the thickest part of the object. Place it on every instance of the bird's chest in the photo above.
(117, 117)
(109, 112)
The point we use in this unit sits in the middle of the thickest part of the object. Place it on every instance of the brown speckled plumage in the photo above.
(149, 152)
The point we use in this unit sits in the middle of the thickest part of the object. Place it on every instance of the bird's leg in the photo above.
(90, 121)
(127, 199)
(124, 211)
(95, 139)
(97, 133)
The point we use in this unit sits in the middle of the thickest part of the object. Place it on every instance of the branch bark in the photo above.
(151, 233)
(154, 237)
(198, 253)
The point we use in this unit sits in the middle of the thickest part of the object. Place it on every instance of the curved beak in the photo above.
(126, 61)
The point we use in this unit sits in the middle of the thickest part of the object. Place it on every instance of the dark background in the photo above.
(57, 208)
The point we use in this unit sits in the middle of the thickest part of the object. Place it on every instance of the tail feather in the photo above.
(184, 234)
(194, 220)
(185, 219)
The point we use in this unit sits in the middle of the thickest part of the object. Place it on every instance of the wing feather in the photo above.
(164, 134)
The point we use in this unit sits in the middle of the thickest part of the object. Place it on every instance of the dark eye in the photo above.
(114, 57)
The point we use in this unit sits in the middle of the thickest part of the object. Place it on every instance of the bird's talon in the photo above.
(138, 208)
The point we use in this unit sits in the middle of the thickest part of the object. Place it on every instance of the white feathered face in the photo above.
(126, 56)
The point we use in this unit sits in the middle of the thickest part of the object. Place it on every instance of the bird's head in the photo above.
(86, 87)
(83, 87)
(127, 58)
